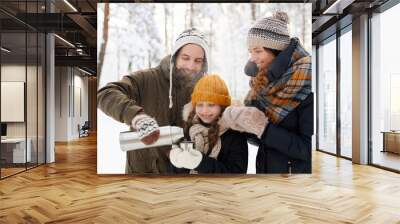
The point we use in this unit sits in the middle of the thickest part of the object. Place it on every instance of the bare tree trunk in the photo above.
(102, 52)
(253, 11)
(172, 31)
(118, 59)
(166, 13)
(210, 44)
(149, 59)
(303, 30)
(187, 16)
(191, 15)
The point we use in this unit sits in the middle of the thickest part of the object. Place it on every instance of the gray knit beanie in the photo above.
(270, 32)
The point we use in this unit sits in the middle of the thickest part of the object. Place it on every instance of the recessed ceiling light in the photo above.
(64, 40)
(5, 50)
(337, 7)
(84, 71)
(70, 5)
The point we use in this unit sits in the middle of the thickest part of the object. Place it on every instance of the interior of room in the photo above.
(48, 153)
(29, 88)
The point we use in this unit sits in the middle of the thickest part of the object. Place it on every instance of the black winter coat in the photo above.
(286, 147)
(232, 158)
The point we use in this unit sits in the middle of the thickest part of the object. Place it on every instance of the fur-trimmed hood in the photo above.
(186, 111)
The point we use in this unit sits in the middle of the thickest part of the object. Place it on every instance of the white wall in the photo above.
(80, 100)
(71, 93)
(61, 103)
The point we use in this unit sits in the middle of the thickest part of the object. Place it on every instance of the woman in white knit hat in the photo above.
(281, 88)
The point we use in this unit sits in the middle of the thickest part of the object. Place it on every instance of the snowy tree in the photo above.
(203, 17)
(140, 34)
(104, 41)
(134, 39)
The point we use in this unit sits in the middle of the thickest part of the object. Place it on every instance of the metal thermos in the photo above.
(169, 135)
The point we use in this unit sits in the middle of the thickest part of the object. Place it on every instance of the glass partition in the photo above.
(22, 89)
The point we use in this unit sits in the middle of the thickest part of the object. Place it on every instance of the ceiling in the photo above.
(332, 15)
(76, 22)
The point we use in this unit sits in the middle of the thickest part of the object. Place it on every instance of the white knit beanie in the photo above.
(270, 32)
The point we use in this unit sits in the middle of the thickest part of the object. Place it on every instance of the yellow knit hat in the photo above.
(211, 88)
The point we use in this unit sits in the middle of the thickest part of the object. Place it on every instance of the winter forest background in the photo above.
(133, 36)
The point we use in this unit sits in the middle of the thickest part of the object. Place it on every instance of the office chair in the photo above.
(84, 130)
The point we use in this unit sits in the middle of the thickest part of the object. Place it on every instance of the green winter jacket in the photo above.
(145, 90)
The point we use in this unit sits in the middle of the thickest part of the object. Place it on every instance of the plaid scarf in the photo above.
(286, 84)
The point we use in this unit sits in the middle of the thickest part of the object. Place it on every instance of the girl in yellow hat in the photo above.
(217, 149)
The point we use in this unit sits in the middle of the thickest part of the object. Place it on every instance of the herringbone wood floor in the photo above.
(70, 191)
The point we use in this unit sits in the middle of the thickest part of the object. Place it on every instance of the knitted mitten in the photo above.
(146, 127)
(244, 119)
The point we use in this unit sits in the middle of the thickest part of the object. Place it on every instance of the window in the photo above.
(385, 88)
(346, 93)
(327, 96)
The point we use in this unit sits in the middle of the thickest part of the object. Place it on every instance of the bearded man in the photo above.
(149, 98)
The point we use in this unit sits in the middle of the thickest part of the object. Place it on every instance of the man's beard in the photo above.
(183, 79)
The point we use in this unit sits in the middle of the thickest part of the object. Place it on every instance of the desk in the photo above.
(391, 141)
(15, 148)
